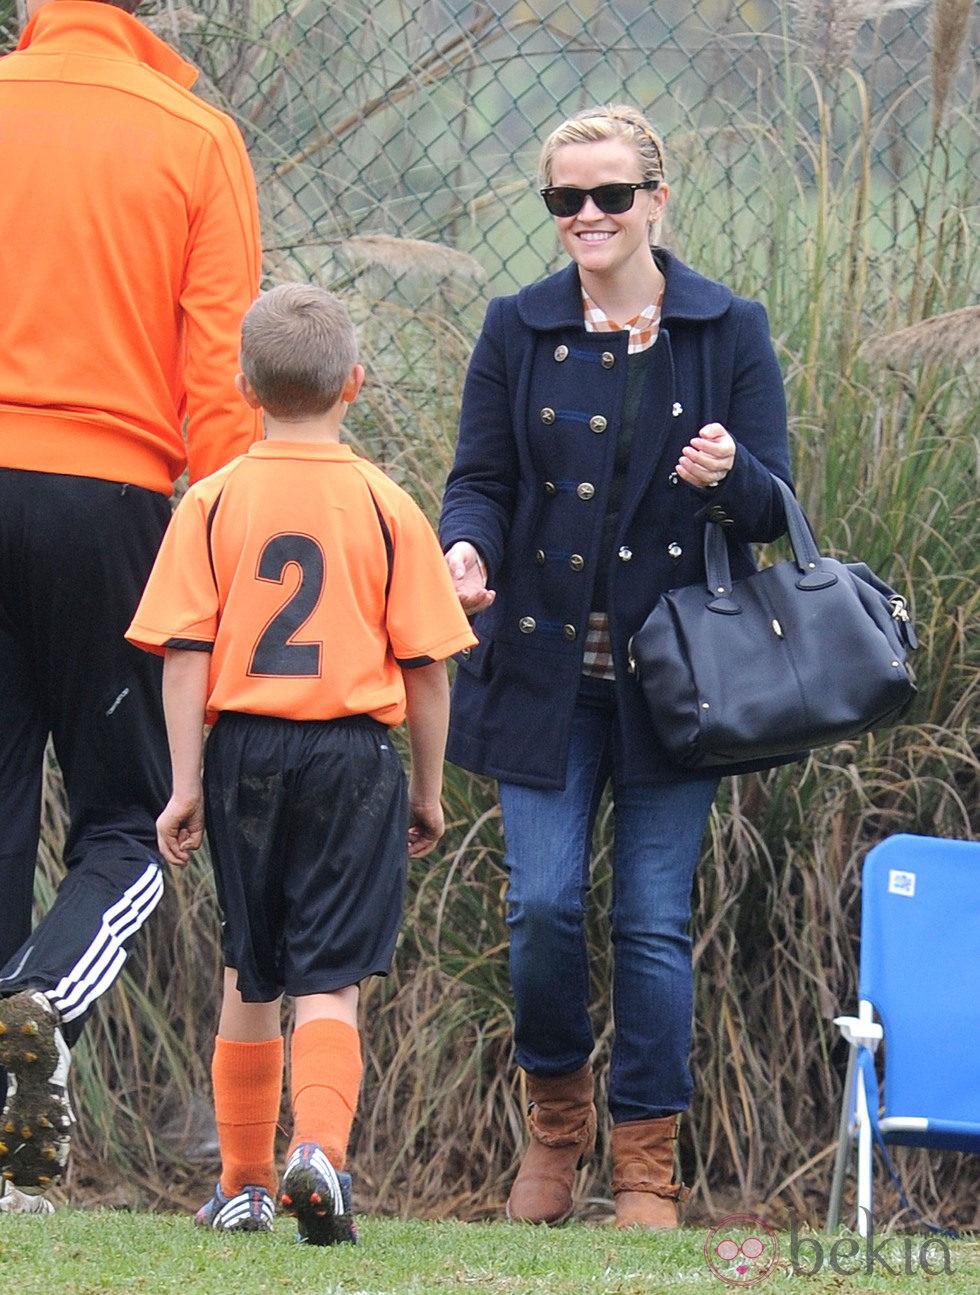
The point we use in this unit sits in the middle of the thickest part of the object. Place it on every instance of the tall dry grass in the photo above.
(880, 361)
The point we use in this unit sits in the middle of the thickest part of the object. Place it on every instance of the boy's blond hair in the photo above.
(608, 121)
(298, 350)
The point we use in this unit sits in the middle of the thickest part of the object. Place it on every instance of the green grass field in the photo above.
(117, 1253)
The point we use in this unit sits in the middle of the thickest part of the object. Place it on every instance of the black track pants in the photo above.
(74, 556)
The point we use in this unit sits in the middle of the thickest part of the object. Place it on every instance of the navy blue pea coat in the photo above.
(541, 410)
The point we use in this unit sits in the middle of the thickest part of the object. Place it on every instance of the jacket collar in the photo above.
(556, 302)
(103, 30)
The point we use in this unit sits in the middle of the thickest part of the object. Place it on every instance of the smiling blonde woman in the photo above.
(609, 412)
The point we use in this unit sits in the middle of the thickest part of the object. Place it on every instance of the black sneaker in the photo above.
(250, 1210)
(35, 1127)
(319, 1197)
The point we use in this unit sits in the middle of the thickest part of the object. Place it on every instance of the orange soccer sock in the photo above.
(325, 1060)
(247, 1081)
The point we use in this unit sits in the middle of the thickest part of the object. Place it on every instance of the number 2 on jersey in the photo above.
(276, 651)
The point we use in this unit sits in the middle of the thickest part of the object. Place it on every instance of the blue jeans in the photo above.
(658, 832)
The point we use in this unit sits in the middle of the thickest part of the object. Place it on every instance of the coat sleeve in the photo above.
(756, 420)
(221, 280)
(482, 486)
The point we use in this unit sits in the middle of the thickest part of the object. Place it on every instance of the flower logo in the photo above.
(741, 1249)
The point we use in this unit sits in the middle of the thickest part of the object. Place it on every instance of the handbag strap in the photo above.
(806, 554)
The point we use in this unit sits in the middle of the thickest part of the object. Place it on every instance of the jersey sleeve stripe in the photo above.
(212, 513)
(389, 543)
(189, 645)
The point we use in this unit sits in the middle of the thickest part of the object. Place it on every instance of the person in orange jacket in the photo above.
(130, 237)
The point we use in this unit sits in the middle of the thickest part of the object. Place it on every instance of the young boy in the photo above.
(304, 608)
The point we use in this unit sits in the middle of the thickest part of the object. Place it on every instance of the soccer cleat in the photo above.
(14, 1201)
(35, 1127)
(318, 1197)
(250, 1210)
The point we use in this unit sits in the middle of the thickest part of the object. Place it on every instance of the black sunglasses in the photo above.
(613, 199)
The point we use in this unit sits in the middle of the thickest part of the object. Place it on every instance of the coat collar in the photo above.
(556, 302)
(103, 30)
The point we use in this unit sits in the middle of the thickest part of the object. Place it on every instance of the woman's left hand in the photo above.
(469, 578)
(708, 458)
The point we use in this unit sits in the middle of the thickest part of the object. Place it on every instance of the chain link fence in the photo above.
(395, 144)
(396, 148)
(423, 121)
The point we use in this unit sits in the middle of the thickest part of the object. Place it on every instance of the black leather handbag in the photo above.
(801, 654)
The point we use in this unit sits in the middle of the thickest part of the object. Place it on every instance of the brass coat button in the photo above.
(607, 360)
(586, 490)
(550, 488)
(625, 554)
(527, 625)
(674, 549)
(598, 424)
(466, 653)
(539, 557)
(673, 479)
(561, 353)
(568, 633)
(576, 562)
(547, 416)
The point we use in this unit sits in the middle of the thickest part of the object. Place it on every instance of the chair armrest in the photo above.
(860, 1033)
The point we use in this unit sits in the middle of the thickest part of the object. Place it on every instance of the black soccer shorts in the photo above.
(307, 823)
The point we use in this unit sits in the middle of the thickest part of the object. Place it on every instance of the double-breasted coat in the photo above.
(541, 412)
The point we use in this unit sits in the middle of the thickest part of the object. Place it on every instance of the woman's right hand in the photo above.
(469, 578)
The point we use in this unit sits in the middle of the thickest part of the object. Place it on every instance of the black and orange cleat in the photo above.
(319, 1197)
(35, 1127)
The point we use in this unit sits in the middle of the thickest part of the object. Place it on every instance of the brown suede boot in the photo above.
(562, 1123)
(643, 1173)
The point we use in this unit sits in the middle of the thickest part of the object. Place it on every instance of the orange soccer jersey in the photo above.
(311, 577)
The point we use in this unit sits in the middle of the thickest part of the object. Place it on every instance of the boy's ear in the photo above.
(353, 384)
(244, 389)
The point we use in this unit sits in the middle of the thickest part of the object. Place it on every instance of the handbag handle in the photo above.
(805, 554)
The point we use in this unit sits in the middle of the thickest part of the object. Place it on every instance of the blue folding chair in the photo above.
(918, 983)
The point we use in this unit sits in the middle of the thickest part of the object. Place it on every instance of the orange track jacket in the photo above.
(129, 241)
